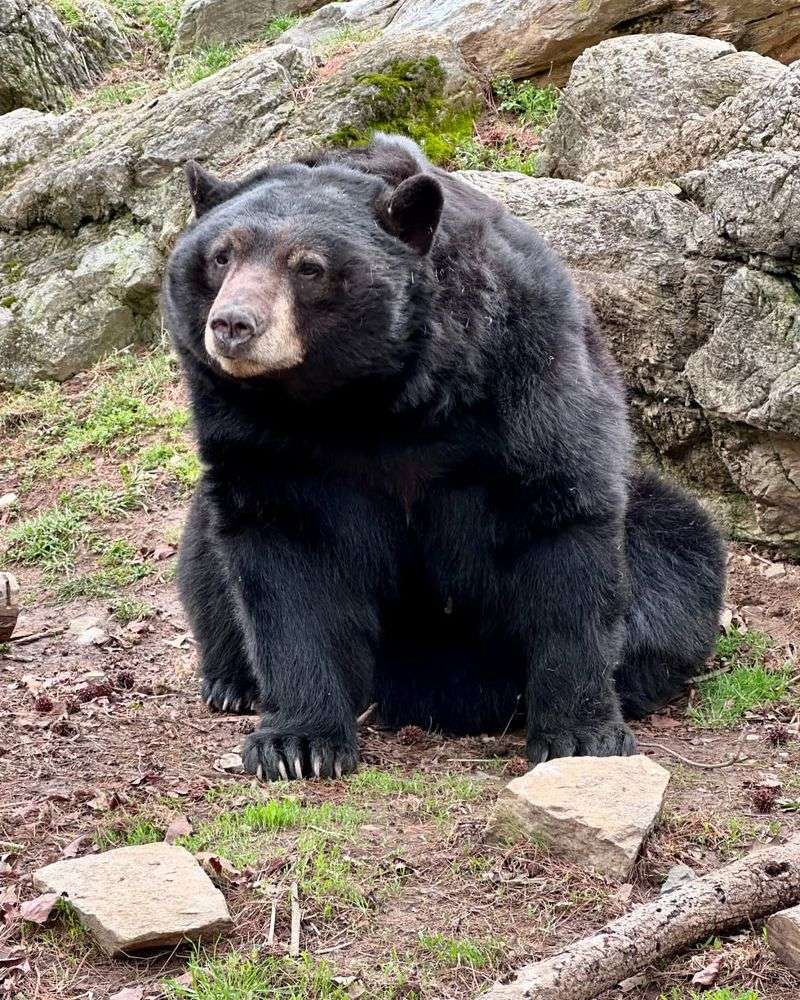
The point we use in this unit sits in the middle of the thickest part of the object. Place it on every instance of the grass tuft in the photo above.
(458, 952)
(204, 63)
(278, 25)
(534, 106)
(749, 684)
(249, 977)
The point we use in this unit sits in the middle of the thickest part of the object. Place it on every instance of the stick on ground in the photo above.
(762, 883)
(294, 945)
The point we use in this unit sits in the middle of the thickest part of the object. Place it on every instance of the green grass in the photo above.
(748, 685)
(254, 977)
(721, 993)
(130, 609)
(68, 12)
(534, 106)
(174, 458)
(239, 835)
(472, 154)
(115, 95)
(158, 18)
(278, 25)
(474, 953)
(204, 63)
(435, 794)
(137, 831)
(345, 38)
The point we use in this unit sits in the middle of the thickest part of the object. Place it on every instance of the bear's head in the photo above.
(309, 274)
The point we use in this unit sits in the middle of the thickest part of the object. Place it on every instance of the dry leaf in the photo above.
(185, 980)
(179, 827)
(73, 848)
(709, 975)
(664, 722)
(164, 552)
(38, 910)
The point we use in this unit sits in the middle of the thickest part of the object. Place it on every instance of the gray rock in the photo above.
(43, 60)
(783, 936)
(27, 135)
(676, 877)
(628, 99)
(594, 811)
(214, 22)
(139, 897)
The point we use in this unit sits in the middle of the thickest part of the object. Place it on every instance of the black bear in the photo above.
(417, 484)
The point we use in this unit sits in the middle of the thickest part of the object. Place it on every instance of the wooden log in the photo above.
(9, 605)
(766, 881)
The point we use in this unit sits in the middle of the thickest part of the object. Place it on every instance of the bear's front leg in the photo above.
(572, 589)
(307, 604)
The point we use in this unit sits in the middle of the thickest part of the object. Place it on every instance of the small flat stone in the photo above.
(94, 636)
(7, 500)
(676, 877)
(230, 762)
(83, 623)
(775, 571)
(595, 811)
(139, 897)
(783, 935)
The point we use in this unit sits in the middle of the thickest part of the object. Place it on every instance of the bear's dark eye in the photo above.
(310, 269)
(222, 258)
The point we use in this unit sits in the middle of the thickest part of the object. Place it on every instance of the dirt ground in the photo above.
(107, 743)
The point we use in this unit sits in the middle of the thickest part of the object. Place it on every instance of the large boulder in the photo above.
(542, 38)
(213, 22)
(629, 99)
(92, 204)
(44, 59)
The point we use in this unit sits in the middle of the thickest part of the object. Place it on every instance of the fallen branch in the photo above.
(23, 640)
(735, 758)
(367, 714)
(294, 943)
(762, 883)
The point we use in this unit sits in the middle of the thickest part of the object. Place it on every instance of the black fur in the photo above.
(435, 509)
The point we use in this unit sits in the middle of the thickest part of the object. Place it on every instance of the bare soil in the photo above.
(93, 738)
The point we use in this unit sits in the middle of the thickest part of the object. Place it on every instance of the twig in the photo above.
(294, 944)
(272, 917)
(367, 714)
(23, 640)
(735, 759)
(513, 716)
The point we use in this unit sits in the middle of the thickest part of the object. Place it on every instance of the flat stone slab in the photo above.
(595, 811)
(783, 935)
(139, 897)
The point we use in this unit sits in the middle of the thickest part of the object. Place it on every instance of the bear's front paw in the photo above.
(608, 739)
(274, 756)
(226, 695)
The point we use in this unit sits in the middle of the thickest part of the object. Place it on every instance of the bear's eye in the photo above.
(222, 258)
(310, 268)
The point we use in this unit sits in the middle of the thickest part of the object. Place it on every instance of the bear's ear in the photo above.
(413, 211)
(205, 190)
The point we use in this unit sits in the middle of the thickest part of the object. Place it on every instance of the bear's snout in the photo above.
(233, 327)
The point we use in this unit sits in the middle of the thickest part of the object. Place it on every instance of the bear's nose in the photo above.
(232, 327)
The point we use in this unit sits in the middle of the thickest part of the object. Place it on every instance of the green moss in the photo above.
(407, 98)
(8, 301)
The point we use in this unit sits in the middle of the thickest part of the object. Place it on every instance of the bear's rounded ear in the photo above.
(205, 190)
(413, 211)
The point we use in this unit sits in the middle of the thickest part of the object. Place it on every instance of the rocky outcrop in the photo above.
(94, 203)
(712, 349)
(542, 38)
(214, 22)
(43, 59)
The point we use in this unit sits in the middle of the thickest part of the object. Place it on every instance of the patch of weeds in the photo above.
(534, 106)
(120, 566)
(436, 794)
(204, 63)
(474, 953)
(720, 993)
(748, 685)
(344, 39)
(65, 933)
(159, 18)
(68, 12)
(472, 154)
(237, 976)
(49, 540)
(278, 25)
(239, 835)
(115, 95)
(130, 609)
(174, 458)
(135, 831)
(325, 875)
